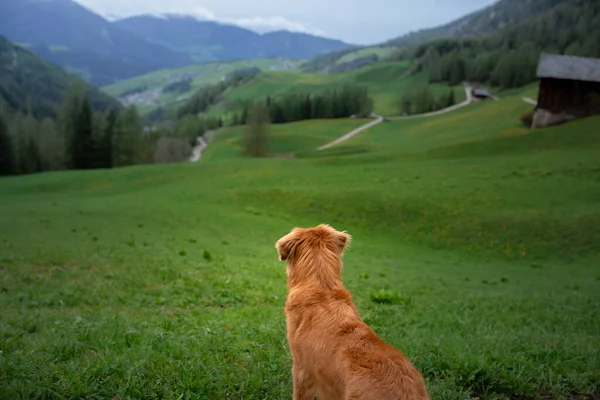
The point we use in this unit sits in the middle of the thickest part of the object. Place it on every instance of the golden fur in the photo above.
(336, 355)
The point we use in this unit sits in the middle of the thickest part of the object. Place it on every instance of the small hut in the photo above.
(569, 89)
(480, 94)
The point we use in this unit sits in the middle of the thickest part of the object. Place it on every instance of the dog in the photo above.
(335, 354)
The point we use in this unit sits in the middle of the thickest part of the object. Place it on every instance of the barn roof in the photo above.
(569, 67)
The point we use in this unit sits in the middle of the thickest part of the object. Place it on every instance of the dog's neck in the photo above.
(316, 274)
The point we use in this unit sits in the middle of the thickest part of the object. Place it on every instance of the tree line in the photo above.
(342, 103)
(421, 99)
(84, 138)
(212, 94)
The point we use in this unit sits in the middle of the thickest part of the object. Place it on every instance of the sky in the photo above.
(354, 21)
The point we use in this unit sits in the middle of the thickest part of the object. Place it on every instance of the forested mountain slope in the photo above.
(32, 85)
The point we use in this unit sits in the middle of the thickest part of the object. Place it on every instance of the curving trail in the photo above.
(379, 119)
(201, 143)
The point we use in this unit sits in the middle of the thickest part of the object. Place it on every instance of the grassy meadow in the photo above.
(476, 246)
(202, 74)
(298, 137)
(386, 83)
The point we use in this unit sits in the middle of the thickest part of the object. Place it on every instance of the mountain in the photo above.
(298, 45)
(487, 21)
(210, 41)
(70, 35)
(482, 22)
(30, 84)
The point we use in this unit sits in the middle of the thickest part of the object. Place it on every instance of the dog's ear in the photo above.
(342, 240)
(286, 246)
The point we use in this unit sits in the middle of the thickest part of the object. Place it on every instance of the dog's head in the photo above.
(312, 241)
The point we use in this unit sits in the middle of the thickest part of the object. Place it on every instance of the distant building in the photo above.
(481, 94)
(569, 89)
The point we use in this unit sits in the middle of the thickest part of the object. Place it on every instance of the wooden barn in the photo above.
(569, 89)
(480, 94)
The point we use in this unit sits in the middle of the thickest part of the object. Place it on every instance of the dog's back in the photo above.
(345, 358)
(336, 355)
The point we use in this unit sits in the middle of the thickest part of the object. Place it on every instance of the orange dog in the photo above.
(335, 354)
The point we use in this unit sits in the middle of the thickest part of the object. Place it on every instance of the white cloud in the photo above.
(261, 24)
(351, 20)
(191, 8)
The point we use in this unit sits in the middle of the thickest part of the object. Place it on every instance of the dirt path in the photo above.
(201, 143)
(379, 119)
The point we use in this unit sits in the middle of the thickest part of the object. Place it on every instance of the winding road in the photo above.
(379, 119)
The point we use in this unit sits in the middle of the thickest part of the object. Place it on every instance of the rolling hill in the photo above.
(211, 41)
(31, 84)
(475, 250)
(385, 82)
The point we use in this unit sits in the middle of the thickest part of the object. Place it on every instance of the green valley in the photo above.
(137, 241)
(465, 256)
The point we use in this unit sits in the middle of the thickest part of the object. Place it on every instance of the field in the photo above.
(476, 246)
(303, 136)
(385, 81)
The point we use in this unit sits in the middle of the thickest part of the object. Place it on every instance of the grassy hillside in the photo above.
(285, 138)
(150, 86)
(385, 82)
(475, 250)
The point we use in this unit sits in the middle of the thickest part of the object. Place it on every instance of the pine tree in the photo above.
(69, 117)
(257, 132)
(129, 138)
(7, 159)
(451, 99)
(107, 145)
(52, 146)
(82, 147)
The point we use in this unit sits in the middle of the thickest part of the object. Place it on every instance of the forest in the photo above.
(81, 137)
(510, 57)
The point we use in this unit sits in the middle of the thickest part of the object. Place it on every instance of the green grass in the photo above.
(476, 246)
(285, 138)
